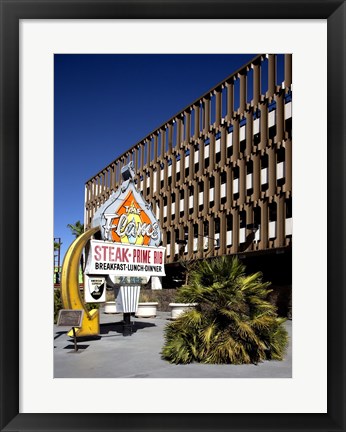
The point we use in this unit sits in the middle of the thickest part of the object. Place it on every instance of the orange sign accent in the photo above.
(133, 225)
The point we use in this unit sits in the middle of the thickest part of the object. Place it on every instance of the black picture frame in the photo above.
(12, 11)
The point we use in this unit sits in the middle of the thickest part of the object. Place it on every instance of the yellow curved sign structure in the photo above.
(70, 293)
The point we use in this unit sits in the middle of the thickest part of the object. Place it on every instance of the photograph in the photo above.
(173, 215)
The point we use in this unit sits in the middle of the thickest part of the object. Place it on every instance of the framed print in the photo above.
(32, 33)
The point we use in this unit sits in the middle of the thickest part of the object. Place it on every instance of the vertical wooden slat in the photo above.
(230, 99)
(271, 74)
(288, 70)
(242, 95)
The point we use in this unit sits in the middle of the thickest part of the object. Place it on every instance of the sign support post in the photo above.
(127, 328)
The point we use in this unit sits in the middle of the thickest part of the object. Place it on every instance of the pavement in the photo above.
(111, 355)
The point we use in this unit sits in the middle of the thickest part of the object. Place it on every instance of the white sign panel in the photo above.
(125, 260)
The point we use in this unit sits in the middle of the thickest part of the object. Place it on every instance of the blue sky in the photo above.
(104, 104)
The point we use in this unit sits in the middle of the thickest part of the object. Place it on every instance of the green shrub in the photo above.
(57, 304)
(232, 323)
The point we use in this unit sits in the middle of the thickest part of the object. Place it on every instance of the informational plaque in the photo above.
(70, 318)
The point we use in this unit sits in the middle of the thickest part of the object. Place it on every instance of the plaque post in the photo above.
(75, 339)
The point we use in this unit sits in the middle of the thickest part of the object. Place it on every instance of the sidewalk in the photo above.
(138, 356)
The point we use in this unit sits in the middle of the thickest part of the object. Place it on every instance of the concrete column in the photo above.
(188, 127)
(235, 230)
(256, 177)
(155, 147)
(93, 186)
(165, 174)
(112, 180)
(161, 210)
(144, 190)
(229, 186)
(173, 240)
(256, 83)
(205, 196)
(223, 145)
(181, 237)
(263, 126)
(271, 171)
(242, 99)
(174, 168)
(249, 220)
(217, 192)
(170, 138)
(101, 183)
(175, 216)
(242, 181)
(288, 70)
(280, 221)
(178, 136)
(271, 74)
(206, 117)
(135, 159)
(223, 231)
(148, 151)
(230, 99)
(236, 144)
(191, 162)
(142, 145)
(211, 241)
(249, 132)
(197, 121)
(182, 166)
(190, 240)
(201, 157)
(263, 244)
(170, 258)
(280, 117)
(169, 208)
(163, 141)
(158, 178)
(218, 102)
(195, 199)
(212, 151)
(288, 162)
(186, 201)
(151, 187)
(200, 238)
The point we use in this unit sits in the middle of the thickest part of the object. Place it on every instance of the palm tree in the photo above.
(57, 245)
(232, 323)
(77, 230)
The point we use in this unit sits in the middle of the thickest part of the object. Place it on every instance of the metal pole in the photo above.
(75, 339)
(127, 328)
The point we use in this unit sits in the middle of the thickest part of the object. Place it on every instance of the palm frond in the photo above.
(233, 321)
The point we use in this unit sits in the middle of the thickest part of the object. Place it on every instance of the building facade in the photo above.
(219, 173)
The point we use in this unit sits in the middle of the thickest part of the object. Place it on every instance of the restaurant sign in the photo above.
(130, 234)
(125, 260)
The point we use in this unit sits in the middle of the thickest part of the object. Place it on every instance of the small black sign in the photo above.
(70, 318)
(97, 287)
